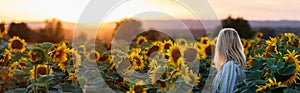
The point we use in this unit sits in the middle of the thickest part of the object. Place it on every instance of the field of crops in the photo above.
(146, 66)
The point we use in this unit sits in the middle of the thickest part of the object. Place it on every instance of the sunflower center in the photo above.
(167, 46)
(204, 41)
(2, 28)
(137, 61)
(182, 42)
(93, 56)
(138, 88)
(176, 54)
(208, 50)
(152, 52)
(190, 54)
(42, 70)
(17, 44)
(141, 41)
(103, 58)
(59, 54)
(6, 57)
(34, 56)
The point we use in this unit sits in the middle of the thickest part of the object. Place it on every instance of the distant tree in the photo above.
(19, 29)
(154, 35)
(53, 31)
(241, 25)
(126, 29)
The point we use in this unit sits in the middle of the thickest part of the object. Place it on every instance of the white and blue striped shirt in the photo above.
(227, 77)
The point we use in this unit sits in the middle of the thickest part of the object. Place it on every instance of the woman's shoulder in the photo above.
(230, 63)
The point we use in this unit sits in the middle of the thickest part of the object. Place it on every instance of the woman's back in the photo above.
(227, 77)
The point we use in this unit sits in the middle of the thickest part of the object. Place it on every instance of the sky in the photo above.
(70, 10)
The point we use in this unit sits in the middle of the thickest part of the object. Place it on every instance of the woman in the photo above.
(229, 60)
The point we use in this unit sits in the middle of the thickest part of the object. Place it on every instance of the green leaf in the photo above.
(70, 88)
(280, 64)
(17, 90)
(254, 75)
(257, 64)
(19, 72)
(45, 79)
(270, 62)
(289, 90)
(275, 55)
(290, 69)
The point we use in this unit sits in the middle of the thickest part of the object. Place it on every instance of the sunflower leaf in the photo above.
(289, 90)
(275, 55)
(290, 69)
(19, 72)
(45, 79)
(17, 90)
(257, 64)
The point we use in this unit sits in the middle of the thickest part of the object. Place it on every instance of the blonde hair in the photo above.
(229, 48)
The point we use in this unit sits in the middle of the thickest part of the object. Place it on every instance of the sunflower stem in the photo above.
(48, 69)
(35, 79)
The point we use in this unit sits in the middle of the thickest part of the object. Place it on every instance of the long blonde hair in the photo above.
(229, 48)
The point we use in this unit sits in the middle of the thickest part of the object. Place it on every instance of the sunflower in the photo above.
(205, 41)
(271, 47)
(7, 56)
(289, 37)
(17, 44)
(174, 54)
(292, 57)
(138, 88)
(195, 78)
(40, 70)
(190, 53)
(93, 56)
(121, 82)
(271, 83)
(82, 49)
(76, 58)
(292, 39)
(181, 42)
(259, 35)
(136, 60)
(205, 52)
(296, 42)
(184, 72)
(152, 50)
(60, 53)
(104, 58)
(155, 74)
(36, 55)
(214, 41)
(3, 30)
(61, 66)
(140, 40)
(72, 75)
(280, 37)
(162, 84)
(167, 45)
(153, 64)
(245, 43)
(17, 65)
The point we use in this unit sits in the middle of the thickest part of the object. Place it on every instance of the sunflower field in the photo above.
(147, 66)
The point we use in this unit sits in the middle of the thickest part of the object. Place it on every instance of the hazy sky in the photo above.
(70, 10)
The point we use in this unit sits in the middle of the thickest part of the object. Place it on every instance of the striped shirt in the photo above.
(227, 77)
